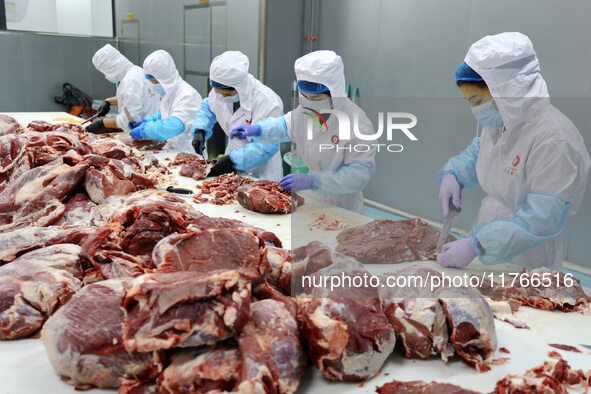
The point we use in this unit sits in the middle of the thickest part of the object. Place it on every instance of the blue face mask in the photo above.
(159, 89)
(111, 80)
(232, 99)
(487, 115)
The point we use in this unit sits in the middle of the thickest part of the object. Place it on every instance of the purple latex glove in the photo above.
(450, 189)
(138, 132)
(297, 181)
(457, 254)
(245, 130)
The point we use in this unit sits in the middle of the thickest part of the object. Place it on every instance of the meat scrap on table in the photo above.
(220, 190)
(386, 241)
(328, 222)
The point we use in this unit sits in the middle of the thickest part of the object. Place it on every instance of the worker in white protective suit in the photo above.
(237, 97)
(531, 161)
(337, 172)
(135, 96)
(178, 107)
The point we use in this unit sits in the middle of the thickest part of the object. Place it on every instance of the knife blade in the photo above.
(128, 115)
(448, 223)
(177, 190)
(93, 117)
(588, 347)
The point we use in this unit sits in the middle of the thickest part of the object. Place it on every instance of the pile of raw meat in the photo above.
(386, 241)
(192, 166)
(258, 196)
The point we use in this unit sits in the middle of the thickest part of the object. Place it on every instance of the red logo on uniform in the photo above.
(335, 139)
(248, 121)
(513, 170)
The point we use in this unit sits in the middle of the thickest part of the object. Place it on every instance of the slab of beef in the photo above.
(348, 339)
(306, 260)
(200, 371)
(554, 293)
(34, 286)
(43, 148)
(268, 197)
(84, 342)
(236, 249)
(272, 355)
(16, 242)
(13, 161)
(416, 314)
(387, 242)
(472, 328)
(550, 377)
(35, 197)
(220, 190)
(9, 125)
(71, 128)
(122, 246)
(113, 178)
(420, 387)
(192, 166)
(184, 309)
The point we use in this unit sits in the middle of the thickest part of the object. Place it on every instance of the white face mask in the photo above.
(317, 105)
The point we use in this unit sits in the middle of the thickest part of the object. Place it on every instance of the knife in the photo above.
(128, 115)
(448, 223)
(90, 119)
(588, 347)
(177, 190)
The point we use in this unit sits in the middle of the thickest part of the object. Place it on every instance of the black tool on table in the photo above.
(178, 190)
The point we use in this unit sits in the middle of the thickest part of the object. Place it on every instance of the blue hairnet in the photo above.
(148, 76)
(312, 87)
(465, 73)
(219, 85)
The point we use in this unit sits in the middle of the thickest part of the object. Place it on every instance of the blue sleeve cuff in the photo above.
(164, 129)
(204, 120)
(273, 131)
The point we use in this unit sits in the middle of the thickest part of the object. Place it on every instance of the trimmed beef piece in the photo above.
(183, 309)
(268, 197)
(84, 340)
(35, 285)
(388, 242)
(9, 125)
(13, 160)
(420, 387)
(192, 166)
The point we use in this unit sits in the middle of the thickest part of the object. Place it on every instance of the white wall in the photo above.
(40, 16)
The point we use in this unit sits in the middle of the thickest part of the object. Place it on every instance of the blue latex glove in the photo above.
(138, 132)
(457, 254)
(450, 189)
(245, 130)
(137, 123)
(298, 181)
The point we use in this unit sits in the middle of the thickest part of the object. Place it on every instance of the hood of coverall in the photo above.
(161, 66)
(508, 64)
(325, 67)
(231, 69)
(111, 62)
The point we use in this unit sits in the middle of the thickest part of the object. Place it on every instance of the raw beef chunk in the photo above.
(35, 285)
(199, 371)
(306, 260)
(13, 161)
(416, 315)
(9, 125)
(79, 209)
(16, 242)
(276, 334)
(472, 326)
(235, 249)
(184, 309)
(388, 242)
(84, 340)
(192, 166)
(348, 339)
(268, 197)
(419, 387)
(34, 198)
(220, 190)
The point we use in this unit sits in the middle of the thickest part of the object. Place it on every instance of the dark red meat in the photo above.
(267, 197)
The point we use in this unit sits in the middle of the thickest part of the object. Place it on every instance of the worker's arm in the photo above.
(204, 120)
(252, 155)
(112, 100)
(540, 219)
(163, 129)
(349, 179)
(110, 123)
(274, 130)
(463, 166)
